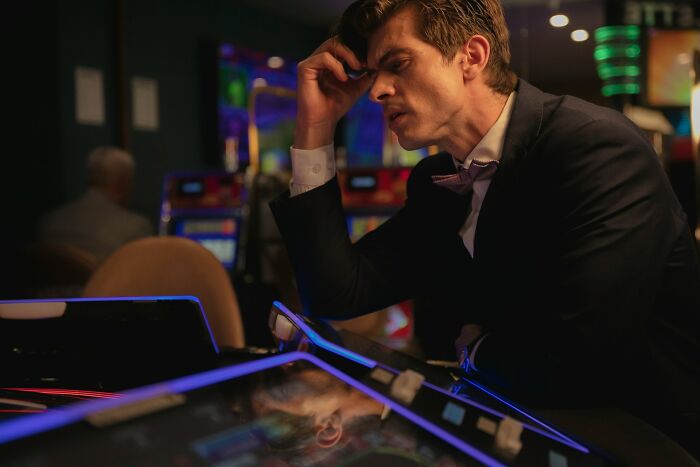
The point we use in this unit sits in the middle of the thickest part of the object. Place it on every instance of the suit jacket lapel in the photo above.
(523, 129)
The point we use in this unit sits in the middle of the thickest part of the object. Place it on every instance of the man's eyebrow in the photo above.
(387, 55)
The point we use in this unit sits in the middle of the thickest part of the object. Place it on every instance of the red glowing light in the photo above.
(68, 392)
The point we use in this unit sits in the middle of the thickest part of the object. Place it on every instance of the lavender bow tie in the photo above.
(462, 181)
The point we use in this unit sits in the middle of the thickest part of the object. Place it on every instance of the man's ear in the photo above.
(329, 431)
(474, 56)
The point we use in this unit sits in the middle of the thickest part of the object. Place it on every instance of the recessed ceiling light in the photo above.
(275, 62)
(559, 20)
(579, 35)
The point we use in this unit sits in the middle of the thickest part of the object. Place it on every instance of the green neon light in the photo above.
(617, 89)
(605, 52)
(607, 33)
(607, 71)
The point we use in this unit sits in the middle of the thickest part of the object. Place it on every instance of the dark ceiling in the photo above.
(547, 56)
(541, 54)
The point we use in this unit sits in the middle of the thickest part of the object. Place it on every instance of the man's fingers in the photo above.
(345, 54)
(340, 51)
(323, 61)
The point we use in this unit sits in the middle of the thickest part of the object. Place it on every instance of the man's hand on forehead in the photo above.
(328, 85)
(351, 64)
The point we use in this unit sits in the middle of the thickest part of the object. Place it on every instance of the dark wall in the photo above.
(85, 38)
(49, 39)
(164, 40)
(547, 57)
(30, 168)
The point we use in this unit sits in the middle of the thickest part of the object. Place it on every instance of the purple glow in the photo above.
(124, 299)
(406, 413)
(561, 437)
(322, 342)
(58, 417)
(26, 426)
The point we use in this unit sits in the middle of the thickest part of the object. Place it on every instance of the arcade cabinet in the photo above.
(248, 126)
(207, 207)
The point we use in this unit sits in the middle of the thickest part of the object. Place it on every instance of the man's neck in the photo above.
(481, 111)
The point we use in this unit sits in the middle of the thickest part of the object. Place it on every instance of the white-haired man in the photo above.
(99, 221)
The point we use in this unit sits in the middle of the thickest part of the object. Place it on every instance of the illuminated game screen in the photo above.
(359, 225)
(669, 63)
(291, 415)
(367, 140)
(219, 236)
(240, 71)
(202, 191)
(369, 143)
(207, 208)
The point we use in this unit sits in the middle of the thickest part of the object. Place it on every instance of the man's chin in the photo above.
(410, 144)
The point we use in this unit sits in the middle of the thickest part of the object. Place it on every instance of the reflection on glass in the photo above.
(301, 415)
(290, 415)
(441, 377)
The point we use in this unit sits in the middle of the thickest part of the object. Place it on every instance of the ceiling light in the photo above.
(559, 20)
(275, 62)
(579, 35)
(683, 58)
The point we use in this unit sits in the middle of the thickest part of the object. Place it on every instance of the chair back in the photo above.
(168, 266)
(52, 270)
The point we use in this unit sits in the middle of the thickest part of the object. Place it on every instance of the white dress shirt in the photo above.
(490, 148)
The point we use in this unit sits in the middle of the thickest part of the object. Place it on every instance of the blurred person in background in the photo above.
(99, 221)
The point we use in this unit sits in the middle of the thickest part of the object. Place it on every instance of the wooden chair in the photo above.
(173, 266)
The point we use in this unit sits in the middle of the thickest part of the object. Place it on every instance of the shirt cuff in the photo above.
(472, 353)
(311, 168)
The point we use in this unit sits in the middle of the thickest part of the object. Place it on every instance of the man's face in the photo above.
(308, 393)
(422, 96)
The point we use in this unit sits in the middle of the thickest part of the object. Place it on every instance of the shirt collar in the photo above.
(490, 148)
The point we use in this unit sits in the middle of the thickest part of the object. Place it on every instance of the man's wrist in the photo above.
(313, 136)
(311, 168)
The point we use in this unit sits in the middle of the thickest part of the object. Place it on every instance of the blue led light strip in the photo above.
(322, 342)
(125, 299)
(564, 439)
(56, 418)
(35, 424)
(560, 438)
(406, 413)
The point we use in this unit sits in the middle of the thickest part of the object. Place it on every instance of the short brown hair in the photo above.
(445, 24)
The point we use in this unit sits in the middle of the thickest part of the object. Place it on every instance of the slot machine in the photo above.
(207, 207)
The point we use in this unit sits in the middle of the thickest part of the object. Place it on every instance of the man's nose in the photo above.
(381, 89)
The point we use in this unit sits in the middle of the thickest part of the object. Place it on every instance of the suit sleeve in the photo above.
(618, 220)
(337, 279)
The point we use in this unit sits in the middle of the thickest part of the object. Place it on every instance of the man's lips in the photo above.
(393, 115)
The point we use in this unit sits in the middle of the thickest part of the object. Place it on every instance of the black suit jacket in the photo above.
(585, 272)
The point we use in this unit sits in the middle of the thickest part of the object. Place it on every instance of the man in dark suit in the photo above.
(579, 285)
